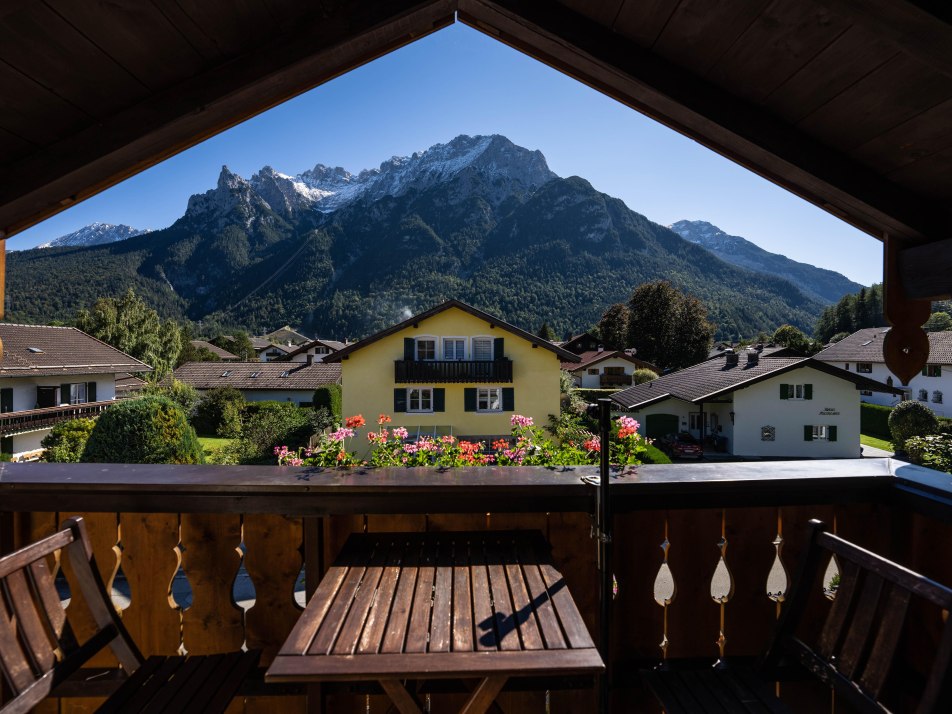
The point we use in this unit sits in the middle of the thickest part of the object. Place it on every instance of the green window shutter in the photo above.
(499, 348)
(399, 400)
(90, 391)
(808, 391)
(409, 347)
(808, 432)
(64, 394)
(923, 371)
(508, 399)
(784, 392)
(469, 399)
(6, 400)
(439, 399)
(831, 433)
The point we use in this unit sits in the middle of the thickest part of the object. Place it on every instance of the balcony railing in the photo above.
(33, 419)
(434, 371)
(615, 380)
(702, 553)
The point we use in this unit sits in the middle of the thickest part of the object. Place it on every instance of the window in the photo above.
(694, 421)
(420, 399)
(864, 367)
(226, 373)
(482, 348)
(768, 433)
(847, 367)
(819, 432)
(426, 348)
(593, 370)
(796, 391)
(454, 348)
(255, 375)
(489, 399)
(932, 370)
(923, 395)
(866, 392)
(937, 397)
(285, 373)
(77, 393)
(906, 395)
(35, 350)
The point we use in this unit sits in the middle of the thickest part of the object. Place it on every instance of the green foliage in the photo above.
(218, 412)
(66, 440)
(185, 395)
(938, 322)
(149, 430)
(266, 425)
(851, 313)
(329, 397)
(238, 343)
(667, 327)
(545, 332)
(790, 336)
(933, 451)
(874, 420)
(191, 353)
(909, 419)
(839, 336)
(640, 376)
(128, 324)
(613, 327)
(654, 455)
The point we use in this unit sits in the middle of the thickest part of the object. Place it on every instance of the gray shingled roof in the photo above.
(208, 375)
(867, 346)
(40, 350)
(714, 377)
(214, 349)
(594, 357)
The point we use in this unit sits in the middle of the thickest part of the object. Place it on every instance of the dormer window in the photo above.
(35, 350)
(285, 374)
(255, 375)
(226, 373)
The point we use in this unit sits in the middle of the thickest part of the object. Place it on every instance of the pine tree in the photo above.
(545, 332)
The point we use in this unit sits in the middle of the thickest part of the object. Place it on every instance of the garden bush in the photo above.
(265, 425)
(874, 421)
(933, 451)
(218, 412)
(329, 397)
(66, 440)
(640, 376)
(909, 419)
(654, 455)
(149, 430)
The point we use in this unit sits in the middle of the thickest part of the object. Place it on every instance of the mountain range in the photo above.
(94, 234)
(478, 218)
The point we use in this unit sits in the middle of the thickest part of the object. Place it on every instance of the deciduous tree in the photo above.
(613, 327)
(667, 327)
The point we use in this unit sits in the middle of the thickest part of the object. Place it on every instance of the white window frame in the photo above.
(74, 394)
(416, 348)
(456, 340)
(821, 432)
(428, 391)
(474, 339)
(488, 399)
(796, 392)
(864, 367)
(694, 421)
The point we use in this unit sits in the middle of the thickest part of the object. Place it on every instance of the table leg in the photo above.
(401, 698)
(484, 695)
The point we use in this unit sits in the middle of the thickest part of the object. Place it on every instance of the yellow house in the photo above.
(452, 370)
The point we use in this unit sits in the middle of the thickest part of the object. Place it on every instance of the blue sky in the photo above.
(459, 81)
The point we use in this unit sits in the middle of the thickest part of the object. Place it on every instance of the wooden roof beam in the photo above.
(168, 122)
(693, 106)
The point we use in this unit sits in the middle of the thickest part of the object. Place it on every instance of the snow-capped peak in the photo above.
(95, 234)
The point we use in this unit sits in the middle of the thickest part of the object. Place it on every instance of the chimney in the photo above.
(601, 348)
(310, 359)
(732, 358)
(753, 357)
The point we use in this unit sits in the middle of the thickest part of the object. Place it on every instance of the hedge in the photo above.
(148, 430)
(329, 397)
(874, 421)
(656, 456)
(591, 396)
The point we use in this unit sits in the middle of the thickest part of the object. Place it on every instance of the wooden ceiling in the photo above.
(847, 103)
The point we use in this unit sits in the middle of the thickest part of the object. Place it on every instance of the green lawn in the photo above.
(212, 442)
(877, 443)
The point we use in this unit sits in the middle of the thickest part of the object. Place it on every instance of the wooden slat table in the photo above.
(455, 605)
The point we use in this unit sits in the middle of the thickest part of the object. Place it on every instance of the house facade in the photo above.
(315, 351)
(453, 369)
(862, 353)
(261, 381)
(771, 407)
(53, 374)
(605, 369)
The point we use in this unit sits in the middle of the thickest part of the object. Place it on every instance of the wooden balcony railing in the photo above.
(615, 380)
(702, 553)
(33, 419)
(436, 372)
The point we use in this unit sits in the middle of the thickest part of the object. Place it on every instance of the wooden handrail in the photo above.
(29, 419)
(443, 371)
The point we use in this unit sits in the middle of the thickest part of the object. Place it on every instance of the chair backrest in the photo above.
(857, 644)
(38, 648)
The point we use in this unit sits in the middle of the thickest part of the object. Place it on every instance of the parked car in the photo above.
(682, 446)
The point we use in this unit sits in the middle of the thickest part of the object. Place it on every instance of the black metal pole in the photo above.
(604, 522)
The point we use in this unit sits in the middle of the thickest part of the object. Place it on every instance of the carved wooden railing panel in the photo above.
(32, 419)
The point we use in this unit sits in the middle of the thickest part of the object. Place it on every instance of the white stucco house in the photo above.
(605, 369)
(315, 351)
(261, 381)
(862, 353)
(774, 407)
(53, 374)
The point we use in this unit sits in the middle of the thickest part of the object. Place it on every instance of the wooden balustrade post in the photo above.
(604, 535)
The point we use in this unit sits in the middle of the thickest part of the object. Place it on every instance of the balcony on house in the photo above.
(446, 371)
(703, 554)
(608, 380)
(26, 420)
